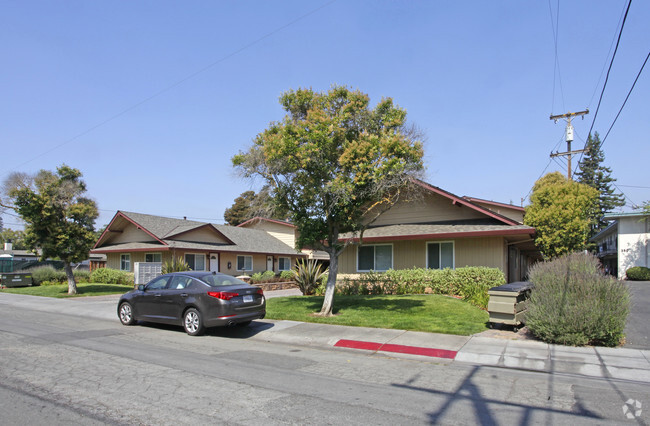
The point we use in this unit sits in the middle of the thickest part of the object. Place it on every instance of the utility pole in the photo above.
(569, 136)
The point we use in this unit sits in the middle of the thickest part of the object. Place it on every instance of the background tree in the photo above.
(249, 205)
(595, 174)
(334, 164)
(58, 219)
(562, 213)
(17, 238)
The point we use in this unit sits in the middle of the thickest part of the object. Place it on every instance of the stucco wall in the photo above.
(633, 237)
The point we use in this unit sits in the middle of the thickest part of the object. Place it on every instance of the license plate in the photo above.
(248, 299)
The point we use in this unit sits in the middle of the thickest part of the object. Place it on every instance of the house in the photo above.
(437, 229)
(135, 237)
(624, 243)
(285, 232)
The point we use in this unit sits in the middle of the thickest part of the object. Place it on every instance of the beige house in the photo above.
(135, 237)
(437, 230)
(285, 232)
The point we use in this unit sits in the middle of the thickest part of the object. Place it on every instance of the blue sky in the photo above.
(151, 99)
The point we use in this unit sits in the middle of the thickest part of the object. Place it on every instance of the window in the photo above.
(284, 263)
(375, 258)
(196, 262)
(244, 263)
(179, 282)
(158, 284)
(440, 255)
(125, 262)
(153, 257)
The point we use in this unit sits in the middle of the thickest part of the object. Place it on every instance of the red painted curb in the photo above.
(402, 349)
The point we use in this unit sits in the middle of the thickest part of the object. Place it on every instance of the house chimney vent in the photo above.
(8, 246)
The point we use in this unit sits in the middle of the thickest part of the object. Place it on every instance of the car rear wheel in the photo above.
(193, 323)
(126, 314)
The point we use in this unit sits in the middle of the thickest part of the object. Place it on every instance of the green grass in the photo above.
(430, 313)
(85, 289)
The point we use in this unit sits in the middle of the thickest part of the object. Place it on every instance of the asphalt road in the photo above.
(73, 369)
(637, 330)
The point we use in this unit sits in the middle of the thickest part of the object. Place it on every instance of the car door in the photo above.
(148, 304)
(173, 299)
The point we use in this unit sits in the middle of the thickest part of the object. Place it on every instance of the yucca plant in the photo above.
(175, 265)
(307, 275)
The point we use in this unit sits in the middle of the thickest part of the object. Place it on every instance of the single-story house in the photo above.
(135, 237)
(624, 243)
(437, 229)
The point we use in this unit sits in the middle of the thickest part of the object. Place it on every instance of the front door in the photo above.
(214, 262)
(269, 263)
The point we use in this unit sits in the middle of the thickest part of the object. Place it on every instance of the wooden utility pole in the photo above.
(569, 136)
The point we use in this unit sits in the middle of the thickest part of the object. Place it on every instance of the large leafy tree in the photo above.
(561, 211)
(249, 205)
(334, 163)
(58, 218)
(595, 174)
(17, 238)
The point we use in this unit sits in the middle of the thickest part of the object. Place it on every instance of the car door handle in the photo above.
(183, 294)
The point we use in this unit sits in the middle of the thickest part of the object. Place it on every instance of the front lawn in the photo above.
(83, 289)
(430, 313)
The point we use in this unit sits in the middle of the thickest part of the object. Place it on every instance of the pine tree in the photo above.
(593, 173)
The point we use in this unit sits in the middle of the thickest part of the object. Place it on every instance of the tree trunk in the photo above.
(72, 284)
(328, 302)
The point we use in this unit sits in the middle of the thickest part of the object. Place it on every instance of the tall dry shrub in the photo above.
(575, 303)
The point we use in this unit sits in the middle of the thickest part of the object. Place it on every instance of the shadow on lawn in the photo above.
(382, 303)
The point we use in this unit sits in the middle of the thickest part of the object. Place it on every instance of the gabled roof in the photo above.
(168, 233)
(264, 219)
(438, 231)
(455, 199)
(494, 203)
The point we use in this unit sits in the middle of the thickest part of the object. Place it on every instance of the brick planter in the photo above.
(277, 286)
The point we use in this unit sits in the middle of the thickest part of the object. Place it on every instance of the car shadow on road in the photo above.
(232, 332)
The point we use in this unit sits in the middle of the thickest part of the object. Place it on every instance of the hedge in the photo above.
(638, 273)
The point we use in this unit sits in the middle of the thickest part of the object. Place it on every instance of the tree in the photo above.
(249, 205)
(239, 211)
(561, 211)
(17, 238)
(593, 173)
(334, 164)
(58, 219)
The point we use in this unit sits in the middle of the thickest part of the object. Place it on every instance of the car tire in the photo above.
(244, 324)
(125, 312)
(193, 322)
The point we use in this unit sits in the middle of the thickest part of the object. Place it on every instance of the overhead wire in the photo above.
(556, 65)
(177, 83)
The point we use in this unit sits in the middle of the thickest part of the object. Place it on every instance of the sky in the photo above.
(150, 100)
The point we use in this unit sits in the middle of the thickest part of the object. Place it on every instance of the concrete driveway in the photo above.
(637, 330)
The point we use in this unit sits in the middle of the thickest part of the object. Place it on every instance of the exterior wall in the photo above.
(483, 251)
(633, 237)
(113, 259)
(128, 235)
(284, 233)
(432, 208)
(514, 214)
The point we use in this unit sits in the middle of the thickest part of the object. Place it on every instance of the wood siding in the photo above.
(205, 235)
(128, 235)
(432, 208)
(284, 233)
(482, 251)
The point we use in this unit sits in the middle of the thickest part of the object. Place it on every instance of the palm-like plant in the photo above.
(307, 275)
(175, 265)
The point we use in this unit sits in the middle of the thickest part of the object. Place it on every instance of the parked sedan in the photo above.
(195, 300)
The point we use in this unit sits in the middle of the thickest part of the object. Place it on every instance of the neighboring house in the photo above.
(438, 230)
(135, 237)
(624, 243)
(285, 232)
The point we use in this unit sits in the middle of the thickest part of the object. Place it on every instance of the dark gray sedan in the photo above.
(195, 300)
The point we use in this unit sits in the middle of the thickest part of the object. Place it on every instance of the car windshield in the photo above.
(218, 280)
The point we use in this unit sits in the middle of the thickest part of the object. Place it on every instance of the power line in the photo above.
(178, 83)
(556, 65)
(634, 186)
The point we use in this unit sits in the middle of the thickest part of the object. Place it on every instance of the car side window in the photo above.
(158, 284)
(179, 282)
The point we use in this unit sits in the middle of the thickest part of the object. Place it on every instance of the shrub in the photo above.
(471, 283)
(256, 278)
(268, 275)
(574, 303)
(175, 265)
(81, 276)
(48, 274)
(110, 276)
(286, 275)
(638, 273)
(307, 275)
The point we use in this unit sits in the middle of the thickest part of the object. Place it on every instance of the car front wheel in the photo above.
(193, 323)
(126, 314)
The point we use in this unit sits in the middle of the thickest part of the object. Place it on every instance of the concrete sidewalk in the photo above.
(611, 363)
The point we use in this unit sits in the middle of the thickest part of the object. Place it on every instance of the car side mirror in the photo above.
(141, 287)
